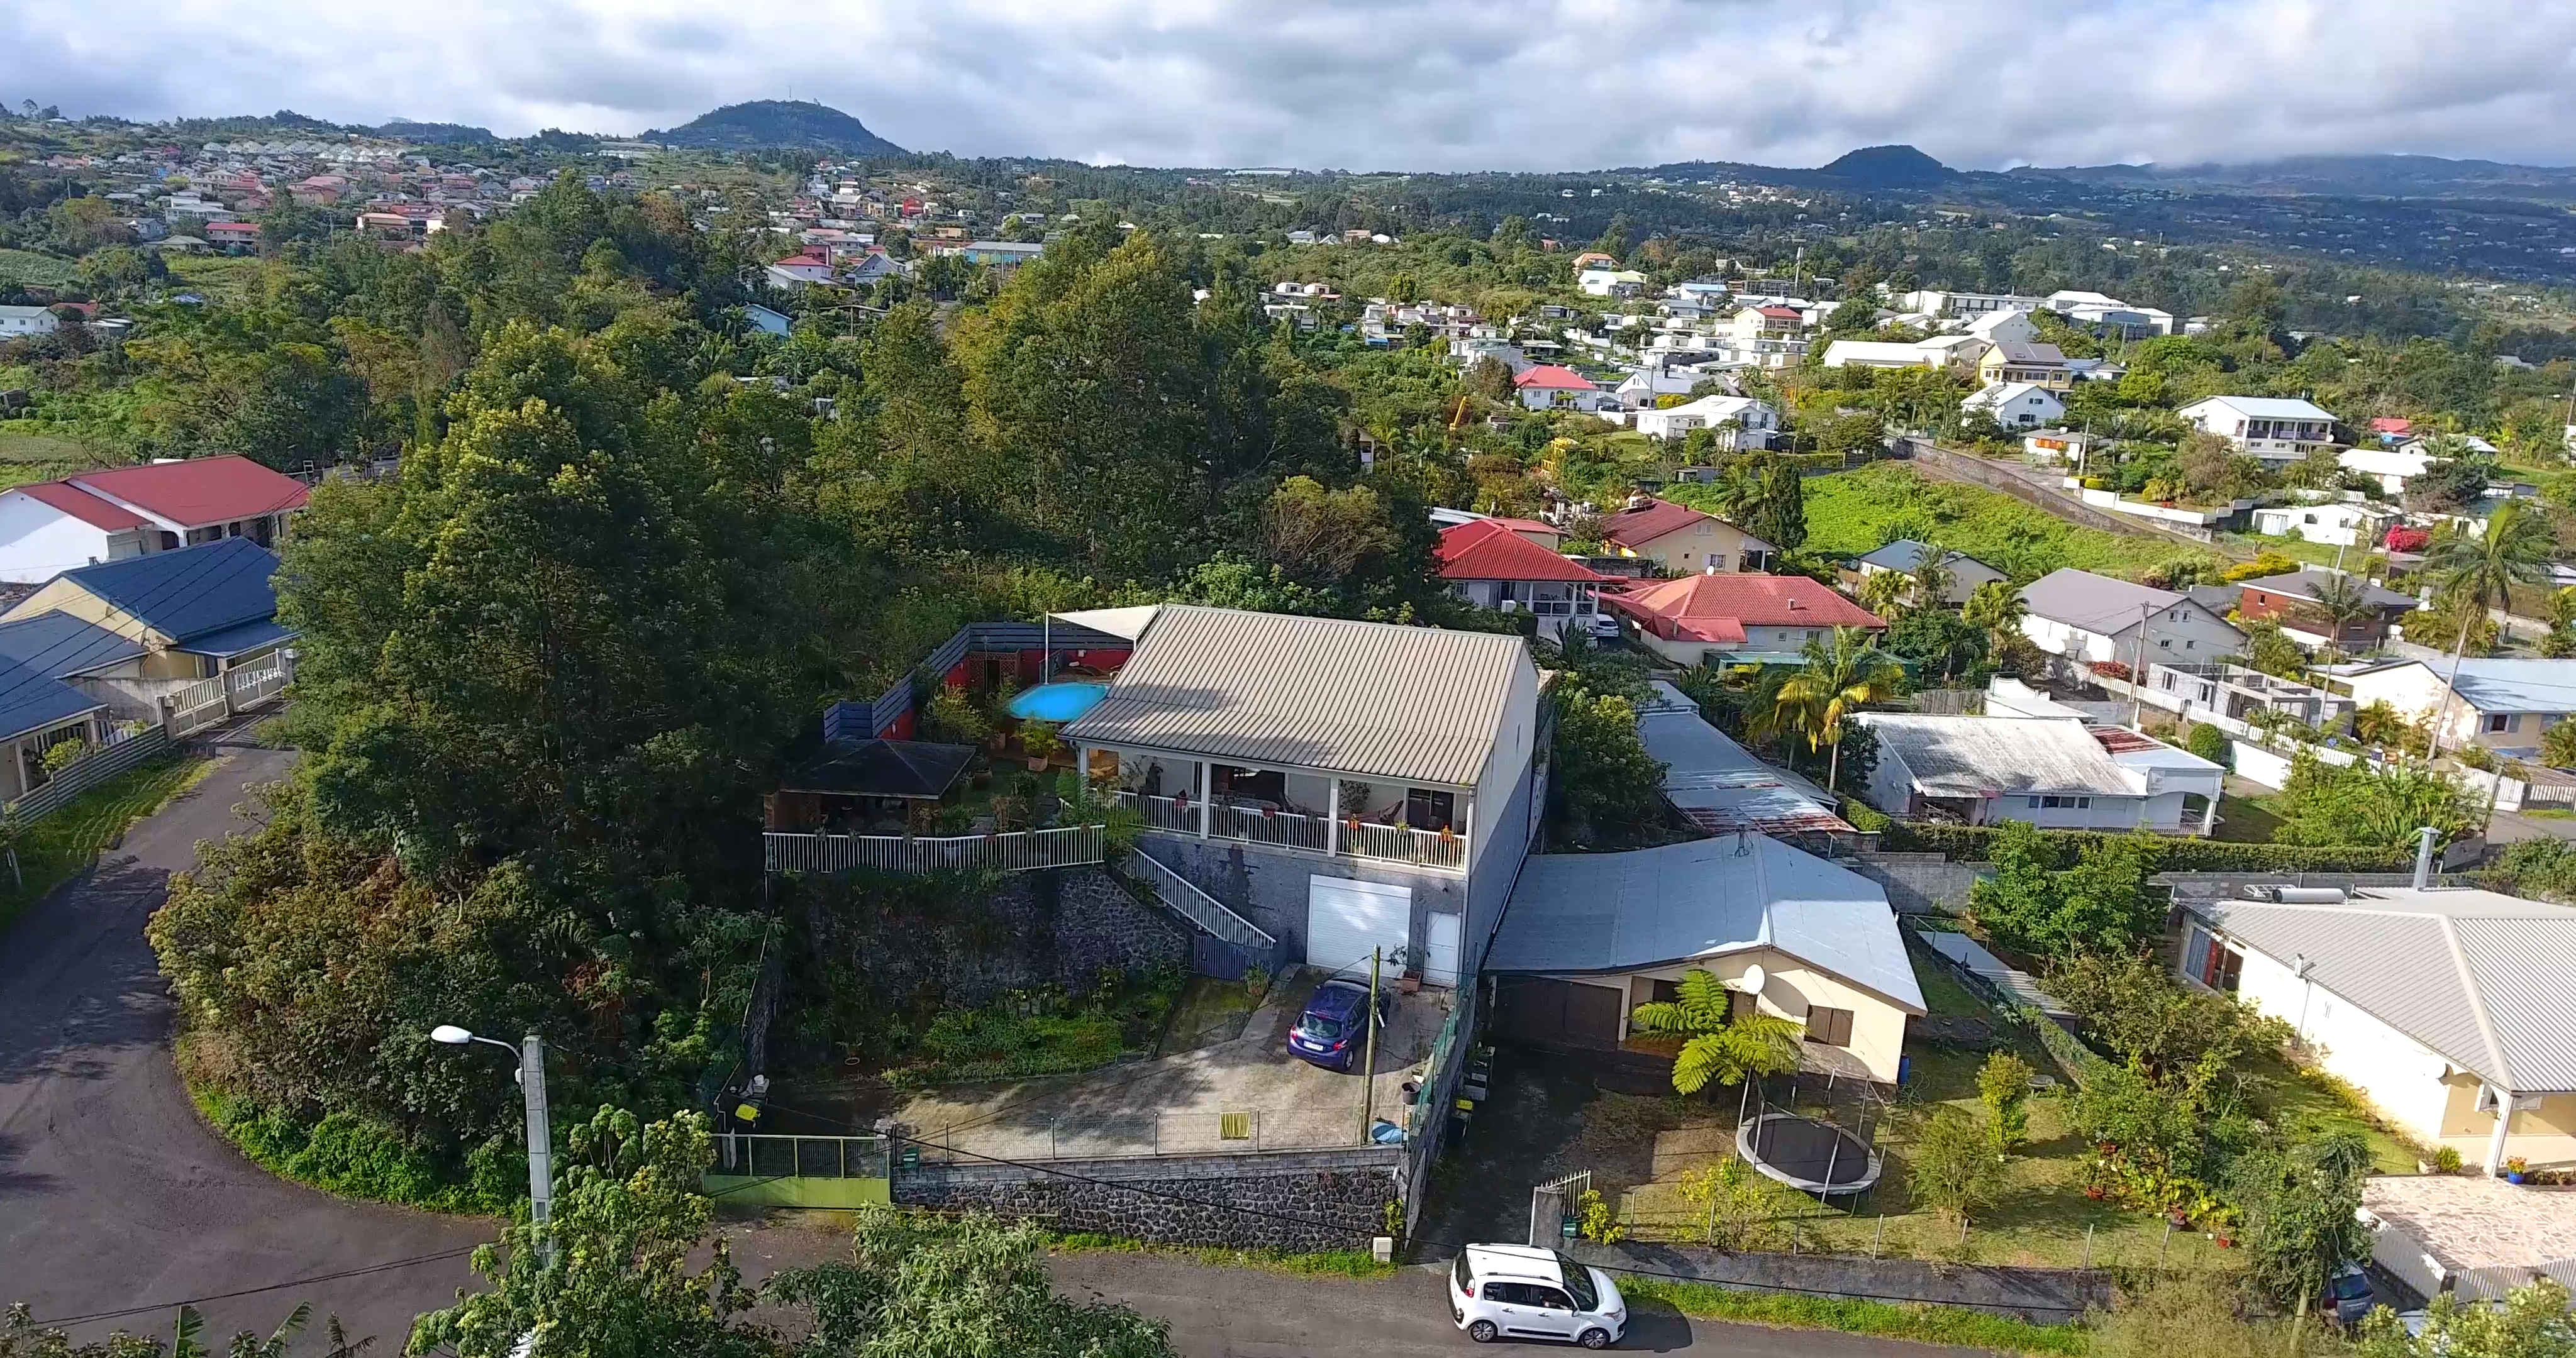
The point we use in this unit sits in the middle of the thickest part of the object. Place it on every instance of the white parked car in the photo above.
(1513, 1290)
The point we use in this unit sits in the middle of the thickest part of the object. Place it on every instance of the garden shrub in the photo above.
(1972, 843)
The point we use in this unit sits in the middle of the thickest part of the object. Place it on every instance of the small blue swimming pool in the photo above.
(1060, 702)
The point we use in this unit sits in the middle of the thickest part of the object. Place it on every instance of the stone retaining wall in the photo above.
(1299, 1201)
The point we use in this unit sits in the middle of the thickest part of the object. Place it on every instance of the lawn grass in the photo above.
(1854, 512)
(70, 839)
(29, 446)
(2040, 1219)
(1318, 1264)
(2297, 549)
(1925, 1324)
(2246, 820)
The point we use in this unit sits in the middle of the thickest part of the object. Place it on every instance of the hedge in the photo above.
(1865, 818)
(1969, 843)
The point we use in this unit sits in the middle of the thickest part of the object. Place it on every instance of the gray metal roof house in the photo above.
(1348, 787)
(2445, 1006)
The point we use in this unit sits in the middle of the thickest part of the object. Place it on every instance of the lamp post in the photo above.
(531, 1052)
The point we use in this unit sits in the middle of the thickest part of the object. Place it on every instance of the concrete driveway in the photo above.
(1174, 1104)
(113, 1194)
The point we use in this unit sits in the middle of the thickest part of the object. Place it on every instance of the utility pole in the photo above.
(1368, 1072)
(2138, 676)
(541, 1146)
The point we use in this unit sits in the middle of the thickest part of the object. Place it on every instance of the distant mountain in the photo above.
(2344, 176)
(777, 122)
(1889, 167)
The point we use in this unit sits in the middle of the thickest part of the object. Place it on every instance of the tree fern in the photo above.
(1717, 1048)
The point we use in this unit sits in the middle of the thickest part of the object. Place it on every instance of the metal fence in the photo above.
(1200, 908)
(1017, 851)
(89, 771)
(209, 701)
(762, 1155)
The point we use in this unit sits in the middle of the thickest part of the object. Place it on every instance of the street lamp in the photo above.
(531, 1052)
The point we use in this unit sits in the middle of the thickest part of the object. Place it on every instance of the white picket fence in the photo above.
(211, 701)
(1018, 851)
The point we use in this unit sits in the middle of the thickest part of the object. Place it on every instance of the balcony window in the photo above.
(1427, 809)
(1251, 785)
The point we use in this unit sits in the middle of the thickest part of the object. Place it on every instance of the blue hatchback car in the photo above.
(1329, 1032)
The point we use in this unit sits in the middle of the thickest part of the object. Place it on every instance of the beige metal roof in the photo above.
(1419, 704)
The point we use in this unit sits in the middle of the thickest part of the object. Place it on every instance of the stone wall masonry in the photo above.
(1297, 1201)
(1919, 883)
(1100, 924)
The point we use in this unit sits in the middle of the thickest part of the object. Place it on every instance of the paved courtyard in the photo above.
(1179, 1104)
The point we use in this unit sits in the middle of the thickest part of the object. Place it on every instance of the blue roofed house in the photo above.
(127, 632)
(38, 712)
(1589, 937)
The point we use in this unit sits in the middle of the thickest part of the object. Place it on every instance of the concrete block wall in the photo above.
(1269, 886)
(1299, 1201)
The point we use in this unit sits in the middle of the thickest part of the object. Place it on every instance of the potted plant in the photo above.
(1038, 738)
(2516, 1169)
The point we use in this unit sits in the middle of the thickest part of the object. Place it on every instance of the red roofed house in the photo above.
(1545, 386)
(799, 270)
(231, 234)
(49, 527)
(1683, 540)
(1491, 565)
(1737, 619)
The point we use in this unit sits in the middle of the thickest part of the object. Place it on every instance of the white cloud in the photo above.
(1405, 84)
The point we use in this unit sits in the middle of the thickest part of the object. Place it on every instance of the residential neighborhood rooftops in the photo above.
(2494, 683)
(2307, 580)
(1371, 699)
(1493, 549)
(59, 644)
(2096, 603)
(191, 593)
(2267, 407)
(1905, 555)
(31, 700)
(1551, 377)
(1717, 784)
(1719, 607)
(1649, 521)
(191, 494)
(2477, 976)
(1572, 914)
(1990, 756)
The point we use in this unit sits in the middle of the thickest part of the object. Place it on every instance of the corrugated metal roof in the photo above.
(1991, 756)
(2482, 978)
(2516, 685)
(189, 592)
(58, 644)
(31, 701)
(2096, 603)
(1612, 912)
(1412, 703)
(1717, 783)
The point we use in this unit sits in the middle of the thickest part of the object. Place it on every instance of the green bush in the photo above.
(1927, 1324)
(2208, 742)
(1866, 818)
(359, 1157)
(1969, 843)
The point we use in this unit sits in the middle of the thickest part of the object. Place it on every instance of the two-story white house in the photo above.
(2273, 428)
(1743, 421)
(1344, 786)
(48, 527)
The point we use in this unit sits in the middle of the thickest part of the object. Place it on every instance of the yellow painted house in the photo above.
(1683, 540)
(189, 614)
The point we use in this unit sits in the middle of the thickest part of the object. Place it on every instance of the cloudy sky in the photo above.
(1376, 84)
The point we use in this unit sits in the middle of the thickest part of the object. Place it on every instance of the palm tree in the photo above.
(2479, 572)
(1997, 607)
(1880, 591)
(1932, 576)
(1852, 670)
(2343, 602)
(1718, 1047)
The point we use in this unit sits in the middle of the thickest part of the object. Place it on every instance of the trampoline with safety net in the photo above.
(1808, 1154)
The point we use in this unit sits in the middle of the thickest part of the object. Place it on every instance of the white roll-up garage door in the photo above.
(1346, 918)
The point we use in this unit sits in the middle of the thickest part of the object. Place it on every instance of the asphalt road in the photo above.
(115, 1197)
(112, 1193)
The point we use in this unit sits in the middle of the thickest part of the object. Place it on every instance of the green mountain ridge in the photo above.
(777, 123)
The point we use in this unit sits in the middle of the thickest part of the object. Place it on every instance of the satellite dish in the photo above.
(1751, 981)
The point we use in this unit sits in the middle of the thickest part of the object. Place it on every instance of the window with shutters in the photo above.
(1829, 1027)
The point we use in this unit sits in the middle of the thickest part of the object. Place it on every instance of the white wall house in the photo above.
(48, 527)
(2052, 772)
(2093, 619)
(22, 322)
(2275, 429)
(1749, 421)
(2017, 405)
(2340, 523)
(2504, 704)
(2444, 1007)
